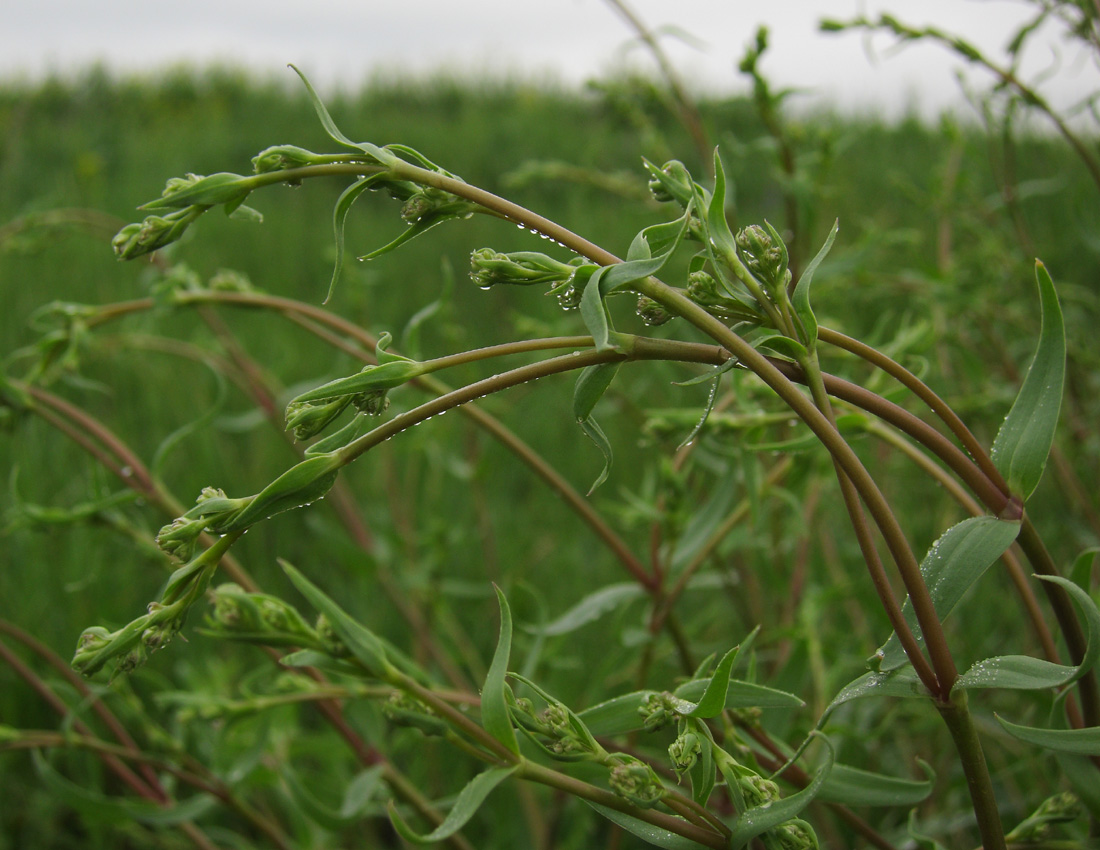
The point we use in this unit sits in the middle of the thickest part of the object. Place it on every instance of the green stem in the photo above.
(940, 675)
(956, 714)
(858, 519)
(925, 393)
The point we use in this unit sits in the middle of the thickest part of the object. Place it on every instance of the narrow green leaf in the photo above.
(717, 226)
(851, 786)
(924, 842)
(466, 805)
(800, 299)
(107, 808)
(1021, 672)
(221, 188)
(713, 701)
(1023, 443)
(495, 716)
(955, 561)
(592, 607)
(646, 831)
(339, 216)
(359, 794)
(615, 716)
(594, 312)
(902, 682)
(418, 228)
(704, 522)
(363, 644)
(1081, 742)
(375, 152)
(301, 485)
(592, 383)
(741, 694)
(760, 819)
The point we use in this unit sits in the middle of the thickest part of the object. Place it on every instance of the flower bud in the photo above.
(281, 157)
(180, 537)
(402, 710)
(489, 268)
(764, 254)
(331, 643)
(671, 182)
(685, 751)
(307, 419)
(657, 711)
(651, 312)
(135, 240)
(707, 292)
(758, 791)
(372, 403)
(795, 835)
(637, 782)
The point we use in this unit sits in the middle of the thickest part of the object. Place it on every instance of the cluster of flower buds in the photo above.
(282, 157)
(258, 618)
(567, 738)
(525, 268)
(403, 710)
(155, 231)
(686, 750)
(520, 268)
(670, 182)
(130, 645)
(637, 782)
(705, 290)
(652, 313)
(658, 710)
(310, 413)
(764, 254)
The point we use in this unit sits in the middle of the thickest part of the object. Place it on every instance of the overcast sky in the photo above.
(563, 40)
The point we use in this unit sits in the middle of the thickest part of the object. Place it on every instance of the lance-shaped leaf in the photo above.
(641, 262)
(800, 299)
(592, 607)
(373, 151)
(339, 216)
(495, 716)
(713, 700)
(854, 787)
(383, 376)
(620, 715)
(952, 565)
(467, 803)
(209, 191)
(1081, 742)
(302, 484)
(718, 228)
(107, 808)
(361, 642)
(1023, 443)
(592, 383)
(1024, 673)
(649, 833)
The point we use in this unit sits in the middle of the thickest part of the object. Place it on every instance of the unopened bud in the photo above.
(764, 254)
(281, 157)
(651, 312)
(637, 782)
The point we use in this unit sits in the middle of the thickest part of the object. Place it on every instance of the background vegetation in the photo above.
(939, 228)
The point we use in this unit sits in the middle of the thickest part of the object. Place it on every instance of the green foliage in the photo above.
(470, 590)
